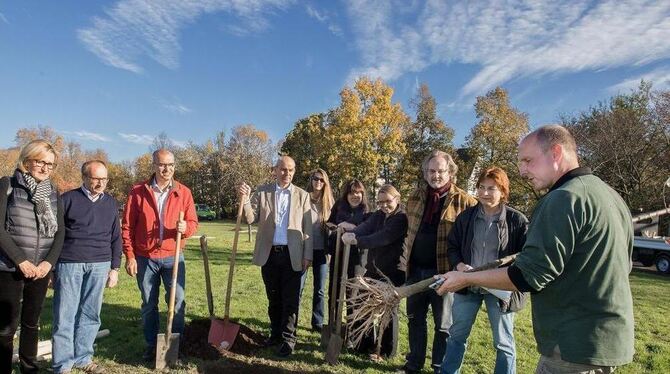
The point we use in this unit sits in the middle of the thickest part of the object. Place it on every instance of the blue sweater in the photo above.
(92, 230)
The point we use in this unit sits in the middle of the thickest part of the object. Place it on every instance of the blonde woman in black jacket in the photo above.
(31, 238)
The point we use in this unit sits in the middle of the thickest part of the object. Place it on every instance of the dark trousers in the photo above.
(354, 268)
(417, 314)
(13, 288)
(282, 286)
(320, 272)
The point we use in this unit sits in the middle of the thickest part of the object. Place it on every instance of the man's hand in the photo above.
(306, 264)
(463, 267)
(43, 269)
(349, 238)
(243, 191)
(112, 278)
(131, 267)
(181, 226)
(28, 269)
(453, 281)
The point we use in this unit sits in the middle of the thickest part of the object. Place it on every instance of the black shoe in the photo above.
(149, 354)
(284, 351)
(271, 342)
(406, 370)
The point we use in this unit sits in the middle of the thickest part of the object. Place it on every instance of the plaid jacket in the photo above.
(457, 201)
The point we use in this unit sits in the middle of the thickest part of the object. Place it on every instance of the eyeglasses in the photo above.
(385, 202)
(438, 172)
(489, 189)
(165, 166)
(41, 164)
(101, 180)
(317, 179)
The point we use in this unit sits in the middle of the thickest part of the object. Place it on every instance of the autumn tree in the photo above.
(626, 142)
(494, 139)
(365, 134)
(426, 133)
(305, 144)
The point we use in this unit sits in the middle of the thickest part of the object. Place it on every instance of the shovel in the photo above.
(332, 301)
(167, 345)
(222, 333)
(335, 343)
(216, 324)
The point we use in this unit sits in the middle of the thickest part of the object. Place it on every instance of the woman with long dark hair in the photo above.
(31, 239)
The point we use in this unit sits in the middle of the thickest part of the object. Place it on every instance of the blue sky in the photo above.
(114, 74)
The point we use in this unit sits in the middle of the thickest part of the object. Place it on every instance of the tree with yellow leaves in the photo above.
(494, 139)
(364, 135)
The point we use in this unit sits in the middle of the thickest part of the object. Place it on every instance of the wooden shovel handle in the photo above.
(333, 291)
(233, 254)
(208, 280)
(421, 286)
(173, 288)
(343, 282)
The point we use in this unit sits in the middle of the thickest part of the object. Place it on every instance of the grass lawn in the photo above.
(121, 351)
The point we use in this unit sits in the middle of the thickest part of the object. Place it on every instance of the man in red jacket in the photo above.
(149, 230)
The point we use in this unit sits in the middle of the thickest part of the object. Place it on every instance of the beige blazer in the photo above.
(261, 209)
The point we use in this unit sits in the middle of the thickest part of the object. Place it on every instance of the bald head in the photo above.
(546, 154)
(284, 170)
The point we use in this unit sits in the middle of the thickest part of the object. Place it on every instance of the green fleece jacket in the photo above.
(577, 259)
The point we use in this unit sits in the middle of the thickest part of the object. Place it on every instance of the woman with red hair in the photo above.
(481, 234)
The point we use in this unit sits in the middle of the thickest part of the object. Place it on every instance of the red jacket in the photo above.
(140, 226)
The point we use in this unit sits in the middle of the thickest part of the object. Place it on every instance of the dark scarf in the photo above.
(41, 196)
(433, 202)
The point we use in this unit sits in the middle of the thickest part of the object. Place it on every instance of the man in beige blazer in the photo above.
(283, 248)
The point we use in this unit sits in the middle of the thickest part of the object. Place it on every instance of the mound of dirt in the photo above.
(193, 342)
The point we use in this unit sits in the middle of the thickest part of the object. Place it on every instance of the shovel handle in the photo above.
(173, 288)
(208, 281)
(233, 254)
(343, 281)
(333, 292)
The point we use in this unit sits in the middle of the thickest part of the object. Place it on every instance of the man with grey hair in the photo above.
(431, 210)
(576, 261)
(283, 248)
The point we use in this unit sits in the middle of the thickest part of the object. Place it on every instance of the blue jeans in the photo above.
(150, 273)
(78, 290)
(502, 326)
(417, 314)
(320, 272)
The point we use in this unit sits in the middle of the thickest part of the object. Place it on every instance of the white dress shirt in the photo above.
(282, 209)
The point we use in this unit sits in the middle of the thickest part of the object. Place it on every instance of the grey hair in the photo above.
(452, 168)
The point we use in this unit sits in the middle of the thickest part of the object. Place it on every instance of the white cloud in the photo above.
(177, 108)
(132, 29)
(325, 18)
(659, 77)
(87, 135)
(3, 18)
(137, 139)
(510, 39)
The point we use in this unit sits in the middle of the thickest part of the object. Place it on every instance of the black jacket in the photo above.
(343, 212)
(383, 238)
(512, 228)
(19, 235)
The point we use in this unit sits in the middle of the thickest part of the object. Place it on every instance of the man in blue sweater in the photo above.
(90, 259)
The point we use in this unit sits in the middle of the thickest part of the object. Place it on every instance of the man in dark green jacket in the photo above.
(576, 261)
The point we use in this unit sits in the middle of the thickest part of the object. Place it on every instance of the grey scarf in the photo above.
(41, 197)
